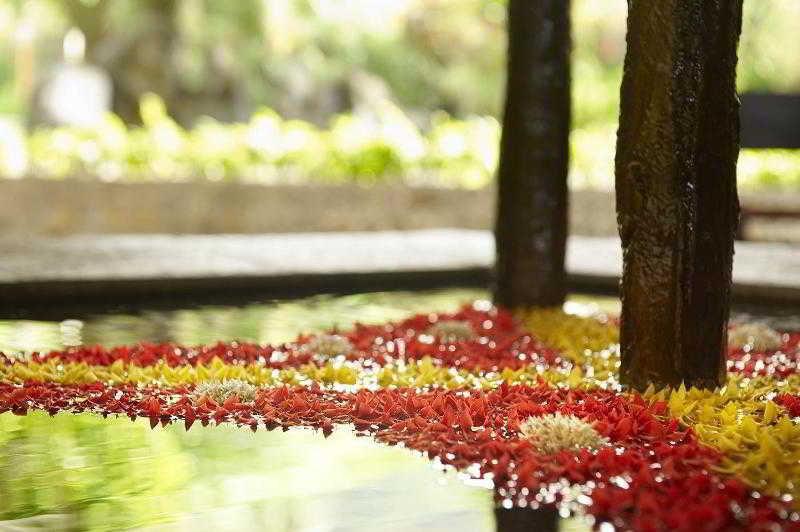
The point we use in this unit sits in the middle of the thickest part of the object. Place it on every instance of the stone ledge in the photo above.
(140, 268)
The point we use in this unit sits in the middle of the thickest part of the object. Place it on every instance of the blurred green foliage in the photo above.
(290, 55)
(267, 149)
(360, 90)
(83, 468)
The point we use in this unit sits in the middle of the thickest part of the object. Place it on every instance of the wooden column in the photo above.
(531, 225)
(677, 205)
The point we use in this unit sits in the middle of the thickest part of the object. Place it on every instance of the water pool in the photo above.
(81, 472)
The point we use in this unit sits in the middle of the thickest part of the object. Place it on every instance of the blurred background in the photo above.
(392, 93)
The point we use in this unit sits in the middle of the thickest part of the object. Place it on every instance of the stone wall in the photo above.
(32, 207)
(36, 207)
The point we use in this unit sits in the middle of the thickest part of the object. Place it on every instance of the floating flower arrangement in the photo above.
(530, 402)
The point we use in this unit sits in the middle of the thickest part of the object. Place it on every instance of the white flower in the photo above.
(220, 391)
(329, 345)
(552, 433)
(451, 331)
(759, 336)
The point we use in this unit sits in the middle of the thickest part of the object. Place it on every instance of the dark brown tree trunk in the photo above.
(531, 227)
(677, 205)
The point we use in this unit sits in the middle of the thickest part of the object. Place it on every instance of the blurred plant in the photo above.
(755, 337)
(97, 476)
(226, 59)
(83, 472)
(381, 146)
(438, 65)
(328, 346)
(360, 148)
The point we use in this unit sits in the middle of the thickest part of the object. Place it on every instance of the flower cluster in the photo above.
(553, 433)
(221, 391)
(755, 336)
(329, 345)
(531, 403)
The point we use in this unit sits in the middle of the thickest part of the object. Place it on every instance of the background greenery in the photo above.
(332, 90)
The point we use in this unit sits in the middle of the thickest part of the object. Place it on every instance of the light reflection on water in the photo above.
(87, 473)
(272, 322)
(82, 472)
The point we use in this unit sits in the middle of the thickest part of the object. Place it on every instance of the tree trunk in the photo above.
(677, 205)
(531, 225)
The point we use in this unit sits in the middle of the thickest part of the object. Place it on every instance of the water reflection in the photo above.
(276, 321)
(81, 472)
(87, 473)
(271, 322)
(281, 321)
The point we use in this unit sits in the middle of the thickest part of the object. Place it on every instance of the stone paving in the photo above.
(43, 269)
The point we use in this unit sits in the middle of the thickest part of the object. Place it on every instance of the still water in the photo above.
(87, 473)
(271, 322)
(82, 472)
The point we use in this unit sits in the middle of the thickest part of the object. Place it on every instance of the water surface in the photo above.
(83, 472)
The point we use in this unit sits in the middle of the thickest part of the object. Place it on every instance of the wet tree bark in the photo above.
(677, 205)
(531, 223)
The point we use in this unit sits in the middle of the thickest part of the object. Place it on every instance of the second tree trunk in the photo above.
(531, 228)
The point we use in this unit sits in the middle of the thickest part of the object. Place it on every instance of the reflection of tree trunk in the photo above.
(677, 205)
(531, 223)
(138, 60)
(543, 519)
